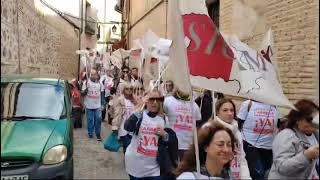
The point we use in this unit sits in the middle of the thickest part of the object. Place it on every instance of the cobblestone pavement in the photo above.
(92, 161)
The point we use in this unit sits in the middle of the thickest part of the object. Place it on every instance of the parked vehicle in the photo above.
(36, 129)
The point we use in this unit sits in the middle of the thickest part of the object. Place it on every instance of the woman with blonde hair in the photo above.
(123, 108)
(147, 127)
(216, 145)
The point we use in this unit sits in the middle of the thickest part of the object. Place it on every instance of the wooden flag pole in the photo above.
(195, 135)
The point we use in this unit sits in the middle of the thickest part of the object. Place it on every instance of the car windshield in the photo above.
(22, 101)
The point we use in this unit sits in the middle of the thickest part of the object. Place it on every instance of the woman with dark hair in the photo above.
(226, 113)
(295, 149)
(216, 145)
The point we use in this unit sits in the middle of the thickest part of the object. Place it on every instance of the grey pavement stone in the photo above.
(92, 161)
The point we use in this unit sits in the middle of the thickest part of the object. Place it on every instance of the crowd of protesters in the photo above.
(155, 127)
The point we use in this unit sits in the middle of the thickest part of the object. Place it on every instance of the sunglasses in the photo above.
(158, 99)
(125, 71)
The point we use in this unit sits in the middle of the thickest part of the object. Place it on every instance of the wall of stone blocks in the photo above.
(34, 43)
(294, 26)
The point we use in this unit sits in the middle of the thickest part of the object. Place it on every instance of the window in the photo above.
(32, 100)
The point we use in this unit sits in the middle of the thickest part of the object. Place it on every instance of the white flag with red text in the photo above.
(225, 64)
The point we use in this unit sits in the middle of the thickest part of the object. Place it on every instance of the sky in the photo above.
(72, 7)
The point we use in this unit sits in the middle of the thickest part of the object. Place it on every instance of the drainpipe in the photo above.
(80, 33)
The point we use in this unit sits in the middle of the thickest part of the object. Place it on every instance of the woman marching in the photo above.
(147, 127)
(216, 144)
(226, 112)
(123, 108)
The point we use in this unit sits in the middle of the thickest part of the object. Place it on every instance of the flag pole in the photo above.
(175, 10)
(195, 135)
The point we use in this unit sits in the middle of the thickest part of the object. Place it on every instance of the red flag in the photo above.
(208, 54)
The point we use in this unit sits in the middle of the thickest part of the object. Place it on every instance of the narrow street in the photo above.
(92, 161)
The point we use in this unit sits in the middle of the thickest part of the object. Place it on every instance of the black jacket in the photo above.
(167, 155)
(206, 108)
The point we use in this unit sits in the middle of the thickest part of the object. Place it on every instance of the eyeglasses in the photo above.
(125, 71)
(158, 99)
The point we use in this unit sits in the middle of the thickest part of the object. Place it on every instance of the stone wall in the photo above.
(35, 43)
(294, 26)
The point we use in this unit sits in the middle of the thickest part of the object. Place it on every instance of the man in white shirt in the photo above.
(91, 89)
(258, 132)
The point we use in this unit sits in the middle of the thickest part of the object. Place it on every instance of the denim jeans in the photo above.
(259, 160)
(145, 178)
(94, 121)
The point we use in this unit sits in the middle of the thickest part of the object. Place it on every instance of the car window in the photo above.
(32, 100)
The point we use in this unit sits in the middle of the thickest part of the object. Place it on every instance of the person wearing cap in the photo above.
(123, 108)
(296, 148)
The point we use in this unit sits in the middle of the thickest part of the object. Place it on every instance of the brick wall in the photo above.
(295, 34)
(38, 43)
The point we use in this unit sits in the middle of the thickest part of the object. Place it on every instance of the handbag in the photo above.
(111, 142)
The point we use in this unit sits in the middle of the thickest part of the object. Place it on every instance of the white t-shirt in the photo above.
(108, 83)
(192, 175)
(93, 98)
(239, 165)
(127, 111)
(260, 123)
(141, 154)
(180, 118)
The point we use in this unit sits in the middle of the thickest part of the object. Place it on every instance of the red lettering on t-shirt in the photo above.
(183, 122)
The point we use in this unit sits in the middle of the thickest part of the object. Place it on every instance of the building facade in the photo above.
(36, 40)
(294, 25)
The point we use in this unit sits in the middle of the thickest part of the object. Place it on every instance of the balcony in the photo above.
(91, 25)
